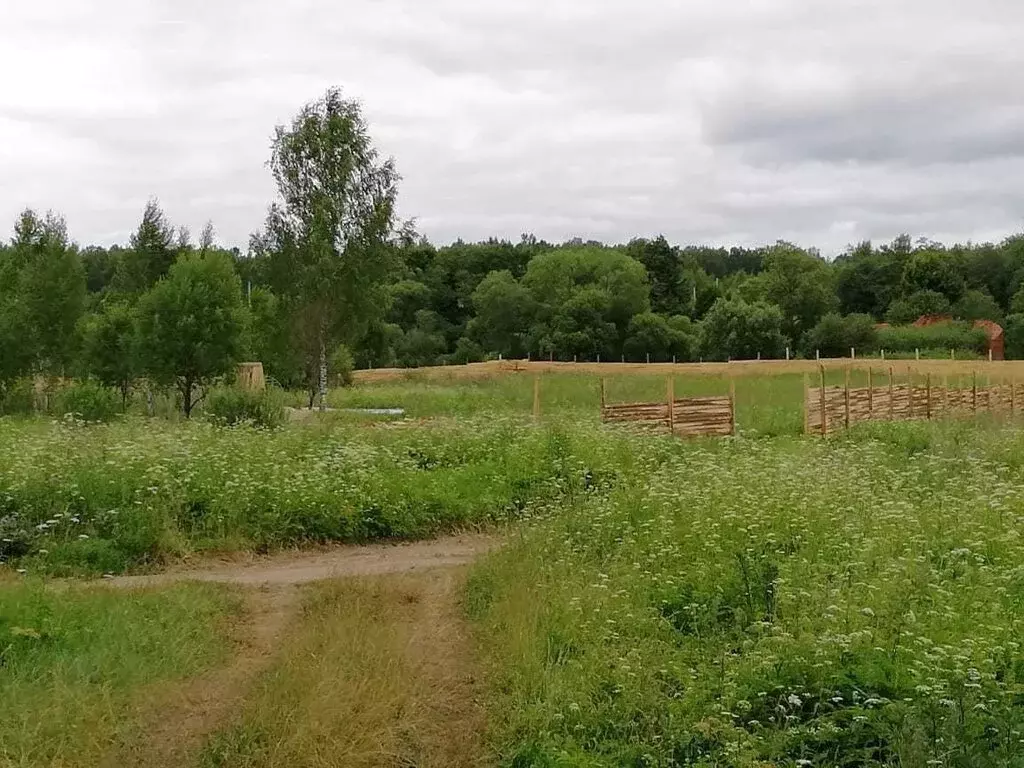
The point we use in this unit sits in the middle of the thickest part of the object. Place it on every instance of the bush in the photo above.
(229, 406)
(941, 336)
(17, 398)
(340, 366)
(467, 351)
(736, 330)
(835, 335)
(89, 401)
(917, 305)
(1015, 337)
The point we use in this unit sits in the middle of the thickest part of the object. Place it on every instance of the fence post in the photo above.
(847, 395)
(917, 354)
(990, 355)
(974, 393)
(892, 396)
(807, 403)
(598, 358)
(648, 358)
(817, 354)
(871, 394)
(574, 359)
(732, 404)
(602, 394)
(853, 353)
(536, 398)
(824, 412)
(1013, 394)
(671, 405)
(883, 355)
(928, 401)
(910, 392)
(787, 354)
(952, 354)
(759, 357)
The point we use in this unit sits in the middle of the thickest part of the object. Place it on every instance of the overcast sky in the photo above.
(728, 122)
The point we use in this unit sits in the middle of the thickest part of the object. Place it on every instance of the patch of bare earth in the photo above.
(380, 672)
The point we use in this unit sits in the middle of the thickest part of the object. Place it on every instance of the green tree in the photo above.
(835, 335)
(801, 285)
(504, 313)
(737, 330)
(271, 340)
(978, 305)
(917, 305)
(936, 270)
(1014, 337)
(328, 236)
(47, 279)
(109, 348)
(867, 281)
(671, 291)
(191, 325)
(151, 253)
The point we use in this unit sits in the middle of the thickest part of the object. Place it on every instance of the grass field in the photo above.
(79, 668)
(770, 600)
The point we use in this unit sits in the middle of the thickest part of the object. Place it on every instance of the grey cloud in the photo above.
(822, 123)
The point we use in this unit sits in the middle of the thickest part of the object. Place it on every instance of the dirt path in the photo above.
(290, 568)
(179, 719)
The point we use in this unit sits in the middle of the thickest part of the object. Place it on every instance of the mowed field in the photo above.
(598, 596)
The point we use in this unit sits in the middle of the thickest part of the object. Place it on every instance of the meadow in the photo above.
(769, 600)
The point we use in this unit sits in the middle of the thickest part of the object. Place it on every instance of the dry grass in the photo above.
(494, 369)
(379, 673)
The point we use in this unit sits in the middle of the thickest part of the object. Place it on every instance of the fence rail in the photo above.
(688, 416)
(830, 408)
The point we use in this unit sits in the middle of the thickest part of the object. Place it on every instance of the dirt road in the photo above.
(426, 639)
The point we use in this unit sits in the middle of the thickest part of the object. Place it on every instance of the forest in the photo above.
(181, 310)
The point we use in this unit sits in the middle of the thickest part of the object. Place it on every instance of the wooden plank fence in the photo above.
(844, 406)
(688, 416)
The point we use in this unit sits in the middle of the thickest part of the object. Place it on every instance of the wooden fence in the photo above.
(688, 416)
(844, 406)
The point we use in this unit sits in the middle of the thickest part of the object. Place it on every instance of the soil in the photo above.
(177, 720)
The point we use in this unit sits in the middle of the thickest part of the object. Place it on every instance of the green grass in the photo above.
(795, 602)
(106, 498)
(74, 664)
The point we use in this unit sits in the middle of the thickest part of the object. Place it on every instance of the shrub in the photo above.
(341, 365)
(467, 351)
(89, 401)
(17, 398)
(835, 335)
(229, 406)
(941, 336)
(909, 309)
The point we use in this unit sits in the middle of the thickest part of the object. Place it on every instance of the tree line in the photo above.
(333, 279)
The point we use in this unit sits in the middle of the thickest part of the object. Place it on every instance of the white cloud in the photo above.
(822, 123)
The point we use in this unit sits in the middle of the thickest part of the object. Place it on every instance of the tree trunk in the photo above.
(322, 379)
(186, 393)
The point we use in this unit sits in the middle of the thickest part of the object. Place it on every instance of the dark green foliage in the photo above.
(340, 365)
(917, 305)
(230, 406)
(149, 255)
(938, 337)
(737, 330)
(801, 285)
(835, 335)
(977, 305)
(663, 339)
(109, 349)
(191, 324)
(935, 269)
(88, 401)
(1014, 330)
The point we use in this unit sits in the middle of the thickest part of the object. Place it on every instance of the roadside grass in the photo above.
(76, 665)
(107, 498)
(374, 675)
(795, 602)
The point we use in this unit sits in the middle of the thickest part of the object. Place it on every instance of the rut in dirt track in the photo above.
(184, 716)
(290, 568)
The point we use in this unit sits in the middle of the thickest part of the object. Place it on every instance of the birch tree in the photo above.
(327, 237)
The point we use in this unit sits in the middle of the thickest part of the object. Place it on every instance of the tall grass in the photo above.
(74, 664)
(855, 602)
